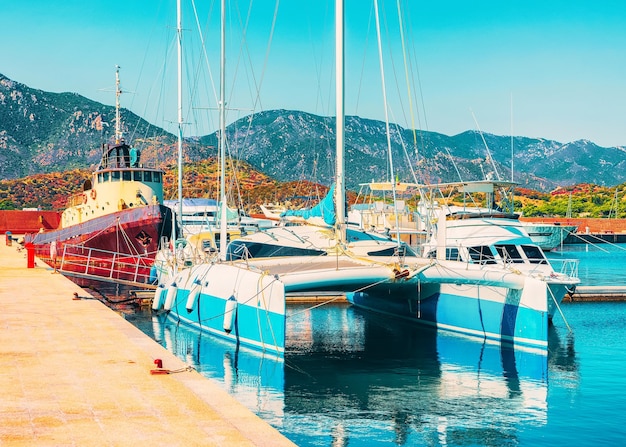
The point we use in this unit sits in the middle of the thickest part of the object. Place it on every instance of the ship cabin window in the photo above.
(105, 176)
(115, 176)
(509, 253)
(126, 176)
(534, 254)
(481, 254)
(137, 176)
(452, 254)
(156, 177)
(147, 176)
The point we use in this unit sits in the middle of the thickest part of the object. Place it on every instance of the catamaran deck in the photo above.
(76, 373)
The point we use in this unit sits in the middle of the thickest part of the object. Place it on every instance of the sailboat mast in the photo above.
(222, 140)
(387, 130)
(340, 190)
(179, 31)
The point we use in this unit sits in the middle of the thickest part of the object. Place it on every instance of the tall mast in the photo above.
(340, 191)
(179, 31)
(222, 140)
(387, 130)
(118, 118)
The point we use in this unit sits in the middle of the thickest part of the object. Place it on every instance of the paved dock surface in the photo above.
(76, 373)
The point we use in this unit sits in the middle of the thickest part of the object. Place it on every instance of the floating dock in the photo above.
(597, 293)
(74, 372)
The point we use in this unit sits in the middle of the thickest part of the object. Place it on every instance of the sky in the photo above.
(543, 69)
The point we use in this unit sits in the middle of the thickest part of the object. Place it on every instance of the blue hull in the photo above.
(463, 310)
(245, 307)
(251, 327)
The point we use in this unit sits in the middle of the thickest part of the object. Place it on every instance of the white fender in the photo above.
(194, 293)
(157, 301)
(172, 290)
(230, 312)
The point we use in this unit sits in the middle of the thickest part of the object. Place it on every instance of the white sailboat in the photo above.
(232, 301)
(495, 300)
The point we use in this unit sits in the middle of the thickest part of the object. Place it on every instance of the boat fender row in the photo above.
(230, 312)
(194, 293)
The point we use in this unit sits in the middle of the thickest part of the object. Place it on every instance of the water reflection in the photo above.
(353, 378)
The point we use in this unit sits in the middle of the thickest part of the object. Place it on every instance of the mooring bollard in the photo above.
(30, 255)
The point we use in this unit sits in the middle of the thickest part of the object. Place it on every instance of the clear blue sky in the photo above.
(559, 66)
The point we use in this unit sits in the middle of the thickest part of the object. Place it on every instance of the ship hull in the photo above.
(120, 245)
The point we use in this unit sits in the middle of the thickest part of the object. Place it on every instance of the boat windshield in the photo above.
(534, 254)
(509, 252)
(482, 254)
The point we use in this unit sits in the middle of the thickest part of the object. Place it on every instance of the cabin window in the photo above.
(105, 176)
(452, 254)
(100, 178)
(481, 254)
(147, 176)
(509, 253)
(137, 176)
(242, 250)
(402, 250)
(115, 176)
(534, 254)
(126, 176)
(156, 177)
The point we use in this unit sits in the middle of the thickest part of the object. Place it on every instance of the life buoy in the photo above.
(84, 199)
(93, 194)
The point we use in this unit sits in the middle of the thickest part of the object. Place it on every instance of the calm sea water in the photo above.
(599, 264)
(351, 378)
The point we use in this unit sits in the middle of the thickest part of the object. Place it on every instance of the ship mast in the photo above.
(340, 191)
(222, 140)
(118, 118)
(179, 31)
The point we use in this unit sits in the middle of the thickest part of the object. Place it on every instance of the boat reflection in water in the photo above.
(354, 378)
(253, 378)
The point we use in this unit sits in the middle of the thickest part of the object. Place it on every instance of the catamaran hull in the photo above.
(511, 310)
(119, 245)
(242, 305)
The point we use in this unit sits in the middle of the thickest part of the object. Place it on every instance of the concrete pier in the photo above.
(75, 373)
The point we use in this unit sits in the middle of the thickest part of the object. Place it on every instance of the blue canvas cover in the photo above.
(325, 210)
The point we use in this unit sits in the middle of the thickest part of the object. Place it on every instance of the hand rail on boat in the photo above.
(97, 263)
(567, 267)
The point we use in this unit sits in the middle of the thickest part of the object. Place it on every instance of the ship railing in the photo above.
(567, 267)
(93, 262)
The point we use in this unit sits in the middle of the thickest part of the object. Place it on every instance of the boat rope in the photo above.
(556, 303)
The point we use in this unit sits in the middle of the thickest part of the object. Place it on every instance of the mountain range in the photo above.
(55, 132)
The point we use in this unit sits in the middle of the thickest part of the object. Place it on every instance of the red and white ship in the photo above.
(113, 228)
